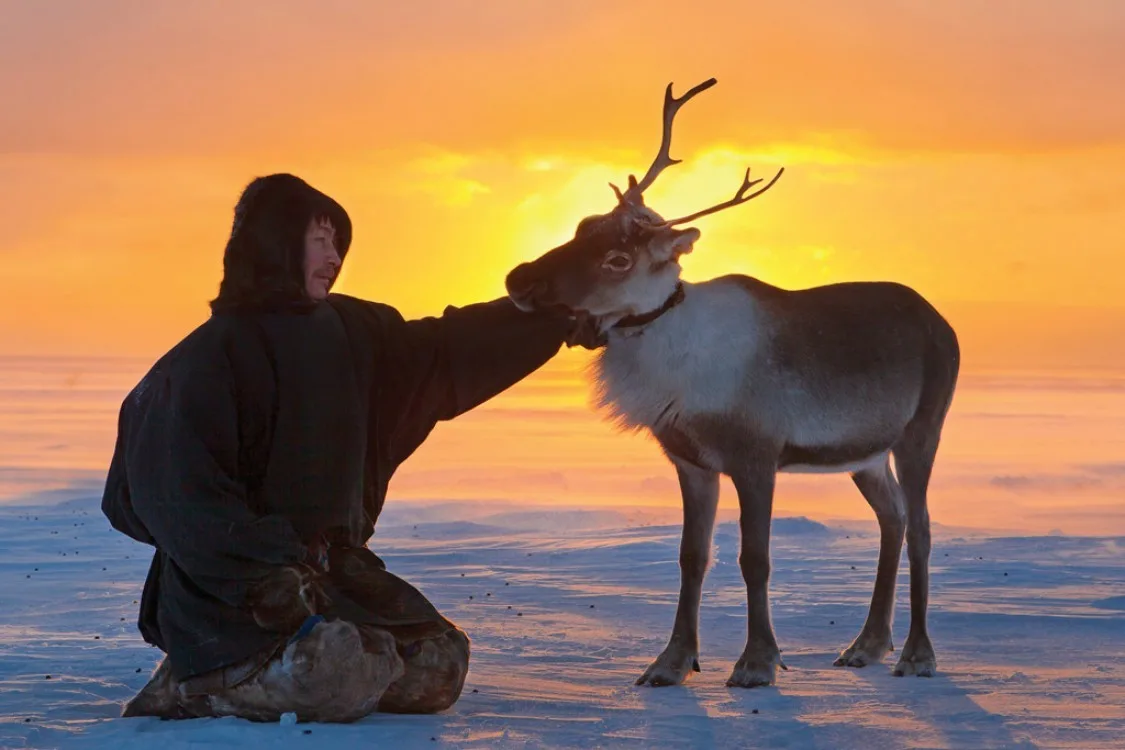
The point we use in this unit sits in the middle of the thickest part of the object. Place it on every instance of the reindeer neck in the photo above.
(636, 323)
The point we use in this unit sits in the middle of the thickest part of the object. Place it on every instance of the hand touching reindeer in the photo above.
(734, 376)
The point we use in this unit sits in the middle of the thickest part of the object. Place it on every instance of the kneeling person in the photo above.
(255, 456)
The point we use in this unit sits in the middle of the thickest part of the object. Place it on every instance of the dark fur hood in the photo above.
(263, 265)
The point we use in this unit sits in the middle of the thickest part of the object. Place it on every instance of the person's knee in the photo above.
(435, 671)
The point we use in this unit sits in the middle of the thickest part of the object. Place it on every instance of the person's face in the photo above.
(322, 262)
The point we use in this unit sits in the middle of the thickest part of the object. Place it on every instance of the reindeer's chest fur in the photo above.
(693, 360)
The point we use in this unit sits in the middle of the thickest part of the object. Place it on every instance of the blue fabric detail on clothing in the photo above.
(306, 627)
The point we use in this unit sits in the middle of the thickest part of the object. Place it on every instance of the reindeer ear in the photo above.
(670, 244)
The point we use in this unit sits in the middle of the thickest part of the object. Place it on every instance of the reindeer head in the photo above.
(625, 262)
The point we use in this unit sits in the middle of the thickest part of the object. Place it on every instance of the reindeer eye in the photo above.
(618, 261)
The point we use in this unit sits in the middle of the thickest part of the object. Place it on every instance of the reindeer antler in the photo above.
(663, 158)
(747, 183)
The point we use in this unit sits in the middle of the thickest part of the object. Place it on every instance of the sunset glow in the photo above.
(975, 151)
(962, 147)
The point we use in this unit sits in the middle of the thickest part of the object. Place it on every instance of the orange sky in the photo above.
(975, 150)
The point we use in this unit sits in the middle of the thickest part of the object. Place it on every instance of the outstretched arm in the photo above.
(492, 346)
(436, 368)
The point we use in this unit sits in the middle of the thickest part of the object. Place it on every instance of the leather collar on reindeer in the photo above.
(642, 319)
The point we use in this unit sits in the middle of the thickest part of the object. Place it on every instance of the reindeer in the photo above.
(734, 376)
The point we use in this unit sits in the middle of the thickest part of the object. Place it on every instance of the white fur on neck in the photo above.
(683, 363)
(643, 297)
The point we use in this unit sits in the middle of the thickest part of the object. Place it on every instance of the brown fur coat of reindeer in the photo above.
(734, 376)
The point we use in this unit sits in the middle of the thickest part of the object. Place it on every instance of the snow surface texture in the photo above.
(567, 607)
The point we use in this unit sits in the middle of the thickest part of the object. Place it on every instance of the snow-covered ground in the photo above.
(567, 606)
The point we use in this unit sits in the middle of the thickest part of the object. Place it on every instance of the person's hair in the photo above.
(263, 265)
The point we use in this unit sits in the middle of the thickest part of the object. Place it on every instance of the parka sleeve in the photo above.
(436, 368)
(183, 486)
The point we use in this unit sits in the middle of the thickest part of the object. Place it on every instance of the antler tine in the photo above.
(738, 198)
(663, 158)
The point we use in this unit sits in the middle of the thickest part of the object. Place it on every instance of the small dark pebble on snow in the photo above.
(754, 711)
(470, 596)
(307, 731)
(475, 690)
(1005, 573)
(519, 614)
(507, 584)
(27, 721)
(488, 594)
(138, 670)
(97, 637)
(831, 622)
(853, 567)
(48, 677)
(462, 575)
(509, 606)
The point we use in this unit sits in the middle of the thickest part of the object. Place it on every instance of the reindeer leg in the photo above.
(884, 495)
(914, 460)
(700, 490)
(761, 657)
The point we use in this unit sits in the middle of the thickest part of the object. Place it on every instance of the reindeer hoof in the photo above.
(865, 650)
(670, 668)
(927, 668)
(917, 658)
(755, 671)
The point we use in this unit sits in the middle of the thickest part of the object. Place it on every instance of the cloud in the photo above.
(1044, 482)
(1086, 477)
(440, 174)
(1110, 470)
